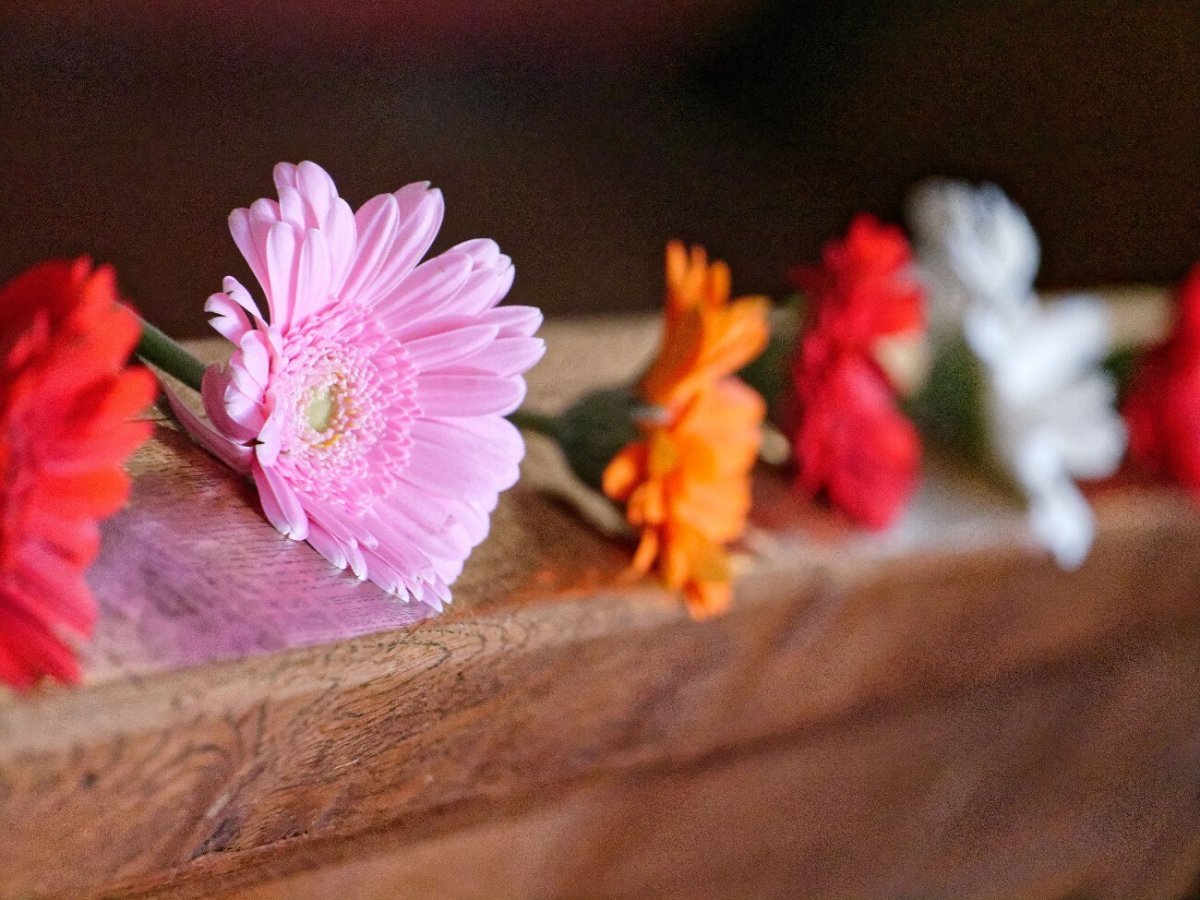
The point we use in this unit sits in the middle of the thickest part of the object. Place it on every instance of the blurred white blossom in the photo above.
(1049, 406)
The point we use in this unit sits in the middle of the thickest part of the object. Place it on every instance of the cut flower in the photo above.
(1048, 406)
(852, 445)
(369, 405)
(67, 422)
(1162, 409)
(685, 482)
(864, 289)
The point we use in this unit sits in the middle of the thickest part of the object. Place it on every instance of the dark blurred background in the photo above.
(583, 135)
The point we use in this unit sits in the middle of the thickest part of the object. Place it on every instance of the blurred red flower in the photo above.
(1162, 407)
(67, 407)
(863, 289)
(852, 444)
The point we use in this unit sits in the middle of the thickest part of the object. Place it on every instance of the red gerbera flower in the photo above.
(67, 403)
(852, 444)
(1162, 409)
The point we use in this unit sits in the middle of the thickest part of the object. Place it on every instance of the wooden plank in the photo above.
(1022, 788)
(228, 735)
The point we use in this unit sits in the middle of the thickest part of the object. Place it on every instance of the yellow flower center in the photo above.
(329, 410)
(322, 406)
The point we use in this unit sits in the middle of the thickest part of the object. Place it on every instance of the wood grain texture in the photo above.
(937, 712)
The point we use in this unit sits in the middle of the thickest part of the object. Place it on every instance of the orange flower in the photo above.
(67, 404)
(686, 482)
(705, 337)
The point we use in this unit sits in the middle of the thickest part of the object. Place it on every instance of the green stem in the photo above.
(159, 350)
(539, 422)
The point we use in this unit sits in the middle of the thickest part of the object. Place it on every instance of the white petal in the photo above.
(1062, 521)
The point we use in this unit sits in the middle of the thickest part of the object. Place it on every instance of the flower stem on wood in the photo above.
(161, 351)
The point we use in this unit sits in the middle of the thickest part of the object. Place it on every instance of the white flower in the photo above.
(1049, 405)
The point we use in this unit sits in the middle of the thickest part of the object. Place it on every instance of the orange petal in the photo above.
(706, 599)
(624, 472)
(646, 553)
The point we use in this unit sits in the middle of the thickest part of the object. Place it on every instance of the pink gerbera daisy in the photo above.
(369, 406)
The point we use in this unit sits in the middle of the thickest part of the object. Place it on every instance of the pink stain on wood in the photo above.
(191, 572)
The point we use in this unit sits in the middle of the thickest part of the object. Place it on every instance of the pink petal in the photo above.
(410, 543)
(514, 321)
(483, 290)
(239, 295)
(214, 390)
(313, 277)
(376, 223)
(481, 469)
(341, 232)
(449, 569)
(244, 235)
(452, 469)
(418, 226)
(282, 257)
(448, 347)
(442, 591)
(284, 175)
(233, 455)
(327, 545)
(253, 358)
(384, 576)
(509, 356)
(423, 328)
(270, 441)
(292, 209)
(496, 434)
(262, 216)
(484, 251)
(416, 590)
(429, 288)
(229, 319)
(318, 190)
(475, 523)
(399, 547)
(280, 503)
(246, 412)
(357, 561)
(468, 394)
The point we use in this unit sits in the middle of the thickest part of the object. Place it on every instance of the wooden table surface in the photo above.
(933, 712)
